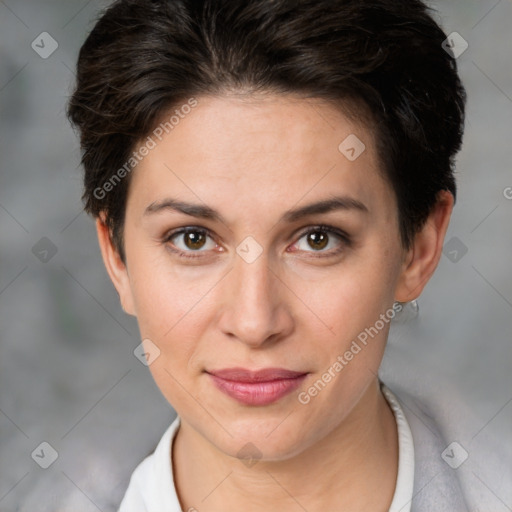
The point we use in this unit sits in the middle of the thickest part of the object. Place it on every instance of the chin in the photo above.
(269, 439)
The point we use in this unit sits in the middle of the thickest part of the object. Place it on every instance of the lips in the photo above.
(260, 387)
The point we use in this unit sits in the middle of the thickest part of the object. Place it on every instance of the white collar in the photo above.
(402, 498)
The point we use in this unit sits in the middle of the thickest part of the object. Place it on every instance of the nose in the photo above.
(255, 309)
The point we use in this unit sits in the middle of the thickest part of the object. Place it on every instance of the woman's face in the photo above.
(247, 287)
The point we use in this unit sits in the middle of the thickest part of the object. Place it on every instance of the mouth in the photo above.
(261, 387)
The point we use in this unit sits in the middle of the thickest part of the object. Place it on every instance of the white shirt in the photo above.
(152, 489)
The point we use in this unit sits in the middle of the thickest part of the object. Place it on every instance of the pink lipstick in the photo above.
(260, 387)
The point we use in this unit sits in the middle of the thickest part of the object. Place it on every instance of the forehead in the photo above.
(238, 153)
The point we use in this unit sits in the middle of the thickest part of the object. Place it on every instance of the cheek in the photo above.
(173, 304)
(349, 297)
(173, 323)
(164, 294)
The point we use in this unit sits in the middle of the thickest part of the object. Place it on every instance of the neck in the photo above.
(339, 472)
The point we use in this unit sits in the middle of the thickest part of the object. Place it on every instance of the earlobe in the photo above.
(115, 267)
(423, 257)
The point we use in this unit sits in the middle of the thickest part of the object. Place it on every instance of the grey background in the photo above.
(68, 375)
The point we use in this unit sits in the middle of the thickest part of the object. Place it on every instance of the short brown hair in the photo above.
(145, 57)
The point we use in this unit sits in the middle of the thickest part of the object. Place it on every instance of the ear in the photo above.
(422, 258)
(116, 269)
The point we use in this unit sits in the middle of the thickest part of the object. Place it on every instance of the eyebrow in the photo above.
(205, 212)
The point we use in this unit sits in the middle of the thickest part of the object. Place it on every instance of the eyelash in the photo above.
(346, 241)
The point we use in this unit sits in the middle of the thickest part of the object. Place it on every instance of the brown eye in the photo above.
(317, 240)
(189, 240)
(194, 240)
(325, 240)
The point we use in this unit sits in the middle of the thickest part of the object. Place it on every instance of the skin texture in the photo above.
(296, 306)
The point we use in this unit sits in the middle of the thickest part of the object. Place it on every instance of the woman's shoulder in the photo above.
(436, 485)
(151, 485)
(458, 465)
